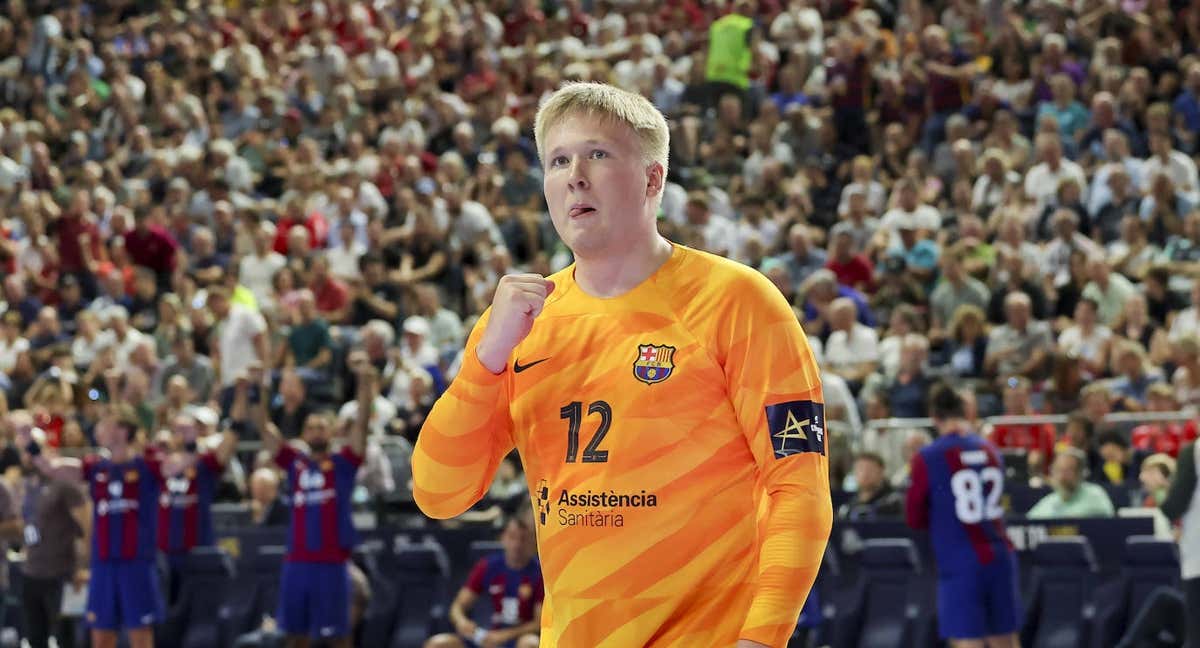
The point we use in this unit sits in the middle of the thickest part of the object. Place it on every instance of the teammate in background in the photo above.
(125, 486)
(314, 588)
(185, 508)
(957, 483)
(665, 403)
(512, 579)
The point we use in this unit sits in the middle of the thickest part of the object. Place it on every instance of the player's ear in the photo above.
(655, 177)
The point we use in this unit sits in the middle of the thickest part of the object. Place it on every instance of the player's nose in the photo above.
(577, 179)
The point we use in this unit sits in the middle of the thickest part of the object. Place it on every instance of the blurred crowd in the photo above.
(194, 195)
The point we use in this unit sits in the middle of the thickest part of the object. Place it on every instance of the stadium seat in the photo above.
(379, 619)
(892, 602)
(254, 593)
(421, 573)
(1060, 609)
(1147, 564)
(205, 579)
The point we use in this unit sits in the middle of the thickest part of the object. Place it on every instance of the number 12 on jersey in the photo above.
(977, 494)
(573, 413)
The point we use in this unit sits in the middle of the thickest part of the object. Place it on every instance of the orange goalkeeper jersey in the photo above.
(673, 439)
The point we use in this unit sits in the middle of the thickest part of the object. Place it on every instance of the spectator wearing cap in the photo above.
(415, 346)
(920, 253)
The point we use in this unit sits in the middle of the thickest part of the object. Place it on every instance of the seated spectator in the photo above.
(266, 509)
(1072, 497)
(1079, 433)
(1021, 346)
(914, 440)
(309, 348)
(1118, 462)
(1155, 477)
(512, 582)
(908, 389)
(1087, 339)
(965, 350)
(852, 351)
(1186, 379)
(331, 294)
(851, 267)
(874, 497)
(1037, 439)
(955, 290)
(819, 291)
(1165, 437)
(1134, 376)
(904, 321)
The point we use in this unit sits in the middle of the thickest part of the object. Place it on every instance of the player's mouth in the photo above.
(580, 209)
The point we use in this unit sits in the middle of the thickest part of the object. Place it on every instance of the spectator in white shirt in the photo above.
(1087, 339)
(852, 350)
(1175, 164)
(716, 231)
(1041, 183)
(909, 209)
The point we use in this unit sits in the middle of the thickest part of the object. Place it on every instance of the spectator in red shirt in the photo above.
(333, 297)
(1163, 437)
(314, 222)
(852, 269)
(151, 246)
(1037, 439)
(79, 244)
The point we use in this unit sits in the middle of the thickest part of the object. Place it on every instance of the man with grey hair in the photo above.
(1022, 345)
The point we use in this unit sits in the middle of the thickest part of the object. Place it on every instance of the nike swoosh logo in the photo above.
(518, 367)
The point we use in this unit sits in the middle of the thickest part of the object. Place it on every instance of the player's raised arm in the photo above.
(368, 389)
(775, 387)
(470, 429)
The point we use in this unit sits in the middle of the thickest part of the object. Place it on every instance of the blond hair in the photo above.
(607, 103)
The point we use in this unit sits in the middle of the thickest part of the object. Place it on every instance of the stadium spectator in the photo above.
(1155, 478)
(56, 535)
(1181, 504)
(1072, 496)
(874, 497)
(1118, 461)
(1036, 439)
(1165, 436)
(1021, 346)
(512, 581)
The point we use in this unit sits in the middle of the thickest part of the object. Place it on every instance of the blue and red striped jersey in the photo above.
(125, 496)
(957, 485)
(513, 592)
(321, 528)
(185, 506)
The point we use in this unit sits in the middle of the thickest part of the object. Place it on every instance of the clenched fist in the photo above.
(518, 301)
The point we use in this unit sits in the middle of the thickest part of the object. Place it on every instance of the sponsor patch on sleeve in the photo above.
(796, 426)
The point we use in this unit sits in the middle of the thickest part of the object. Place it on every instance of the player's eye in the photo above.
(598, 154)
(561, 160)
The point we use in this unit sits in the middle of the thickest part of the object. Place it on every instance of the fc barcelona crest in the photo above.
(654, 363)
